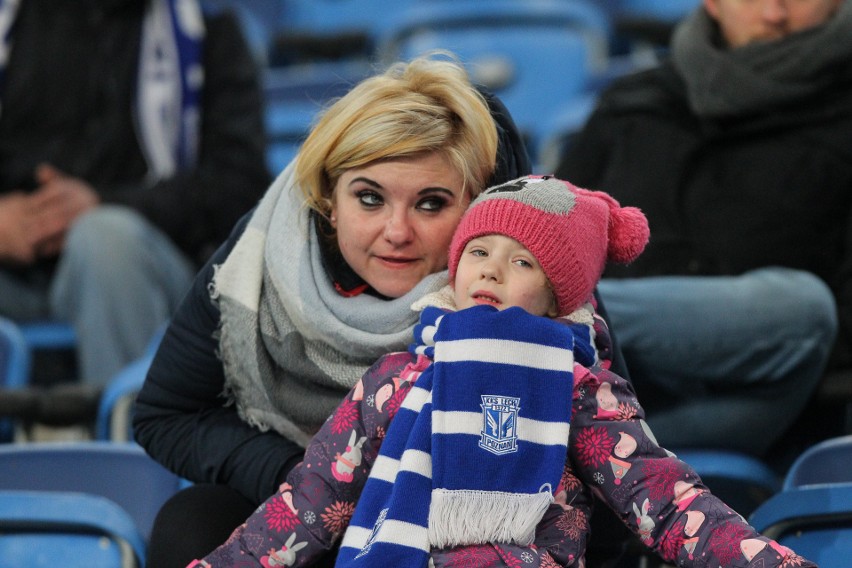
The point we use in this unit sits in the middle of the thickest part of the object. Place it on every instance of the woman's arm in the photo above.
(310, 512)
(181, 417)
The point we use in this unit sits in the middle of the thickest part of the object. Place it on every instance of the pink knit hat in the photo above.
(572, 232)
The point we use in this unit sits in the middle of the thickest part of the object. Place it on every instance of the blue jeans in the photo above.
(726, 362)
(117, 282)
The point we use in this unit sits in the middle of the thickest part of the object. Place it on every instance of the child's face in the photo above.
(497, 270)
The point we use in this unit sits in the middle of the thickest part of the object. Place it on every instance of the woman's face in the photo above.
(395, 218)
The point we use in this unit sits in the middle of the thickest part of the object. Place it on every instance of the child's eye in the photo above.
(478, 252)
(523, 263)
(369, 198)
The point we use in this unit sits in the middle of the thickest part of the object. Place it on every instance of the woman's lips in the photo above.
(396, 262)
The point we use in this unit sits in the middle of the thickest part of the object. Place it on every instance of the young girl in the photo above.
(474, 424)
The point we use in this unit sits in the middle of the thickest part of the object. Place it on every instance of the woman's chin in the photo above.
(398, 285)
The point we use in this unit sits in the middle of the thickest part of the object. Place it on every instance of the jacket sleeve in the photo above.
(311, 510)
(659, 497)
(181, 418)
(198, 208)
(563, 531)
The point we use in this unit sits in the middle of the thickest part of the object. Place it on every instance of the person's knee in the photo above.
(806, 300)
(108, 232)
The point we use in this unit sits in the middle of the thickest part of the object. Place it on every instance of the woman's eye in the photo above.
(432, 204)
(369, 198)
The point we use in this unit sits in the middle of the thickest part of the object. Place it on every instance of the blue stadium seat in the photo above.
(813, 520)
(363, 21)
(829, 461)
(287, 124)
(114, 418)
(668, 11)
(534, 55)
(14, 374)
(49, 334)
(557, 133)
(813, 513)
(50, 338)
(14, 355)
(122, 473)
(295, 94)
(41, 529)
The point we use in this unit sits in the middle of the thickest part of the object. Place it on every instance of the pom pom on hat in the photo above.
(572, 232)
(628, 228)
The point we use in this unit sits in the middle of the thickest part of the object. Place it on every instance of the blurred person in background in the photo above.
(131, 141)
(738, 148)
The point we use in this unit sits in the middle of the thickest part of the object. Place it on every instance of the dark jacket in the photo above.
(67, 98)
(180, 414)
(727, 195)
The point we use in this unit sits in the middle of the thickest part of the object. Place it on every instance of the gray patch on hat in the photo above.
(547, 194)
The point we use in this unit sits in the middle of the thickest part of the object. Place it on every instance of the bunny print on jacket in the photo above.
(612, 455)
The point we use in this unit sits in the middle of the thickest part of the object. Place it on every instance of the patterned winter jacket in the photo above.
(612, 455)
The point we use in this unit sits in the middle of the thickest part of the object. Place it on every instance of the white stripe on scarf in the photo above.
(427, 470)
(505, 352)
(529, 430)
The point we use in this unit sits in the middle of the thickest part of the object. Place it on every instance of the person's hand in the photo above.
(59, 200)
(19, 230)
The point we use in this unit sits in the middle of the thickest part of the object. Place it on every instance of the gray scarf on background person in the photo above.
(749, 79)
(291, 345)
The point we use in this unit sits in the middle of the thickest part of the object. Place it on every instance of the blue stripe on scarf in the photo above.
(501, 482)
(189, 52)
(169, 84)
(372, 536)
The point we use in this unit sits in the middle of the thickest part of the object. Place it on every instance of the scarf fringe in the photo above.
(479, 517)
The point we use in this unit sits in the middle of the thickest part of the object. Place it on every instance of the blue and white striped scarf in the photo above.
(170, 80)
(479, 443)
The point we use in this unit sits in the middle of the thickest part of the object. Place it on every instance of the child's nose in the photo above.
(491, 271)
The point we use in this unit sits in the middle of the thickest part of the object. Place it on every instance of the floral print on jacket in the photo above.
(612, 455)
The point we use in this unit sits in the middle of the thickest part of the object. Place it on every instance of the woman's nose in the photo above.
(398, 229)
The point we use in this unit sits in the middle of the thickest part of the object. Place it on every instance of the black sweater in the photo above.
(728, 195)
(67, 98)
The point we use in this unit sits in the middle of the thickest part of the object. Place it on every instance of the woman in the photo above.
(312, 287)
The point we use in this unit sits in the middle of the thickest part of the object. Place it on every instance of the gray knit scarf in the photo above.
(730, 82)
(291, 346)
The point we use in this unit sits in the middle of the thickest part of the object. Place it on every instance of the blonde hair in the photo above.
(424, 106)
